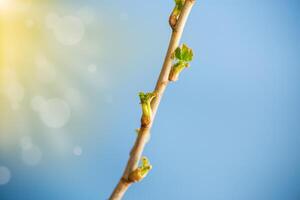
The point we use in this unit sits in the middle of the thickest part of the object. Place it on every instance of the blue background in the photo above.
(228, 129)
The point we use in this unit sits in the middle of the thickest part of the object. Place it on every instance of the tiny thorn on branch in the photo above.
(182, 56)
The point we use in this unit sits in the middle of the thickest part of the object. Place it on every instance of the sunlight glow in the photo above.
(42, 50)
(4, 4)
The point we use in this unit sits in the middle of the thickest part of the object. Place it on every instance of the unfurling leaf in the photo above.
(141, 172)
(179, 4)
(182, 56)
(178, 53)
(146, 99)
(184, 53)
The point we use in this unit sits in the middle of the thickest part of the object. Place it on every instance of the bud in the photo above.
(146, 107)
(141, 172)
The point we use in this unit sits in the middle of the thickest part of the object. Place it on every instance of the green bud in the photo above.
(179, 4)
(146, 99)
(176, 12)
(141, 172)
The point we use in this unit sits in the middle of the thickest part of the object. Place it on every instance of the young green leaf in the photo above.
(186, 53)
(178, 53)
(182, 55)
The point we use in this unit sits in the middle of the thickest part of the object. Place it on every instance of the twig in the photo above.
(162, 82)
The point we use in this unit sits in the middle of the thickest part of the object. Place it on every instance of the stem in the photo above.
(162, 82)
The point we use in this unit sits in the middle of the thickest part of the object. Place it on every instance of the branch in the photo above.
(144, 131)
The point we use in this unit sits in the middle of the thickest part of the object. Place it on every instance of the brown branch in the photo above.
(162, 82)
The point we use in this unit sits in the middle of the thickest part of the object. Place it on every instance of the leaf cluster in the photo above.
(184, 54)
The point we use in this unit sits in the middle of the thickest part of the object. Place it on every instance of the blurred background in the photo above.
(70, 72)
